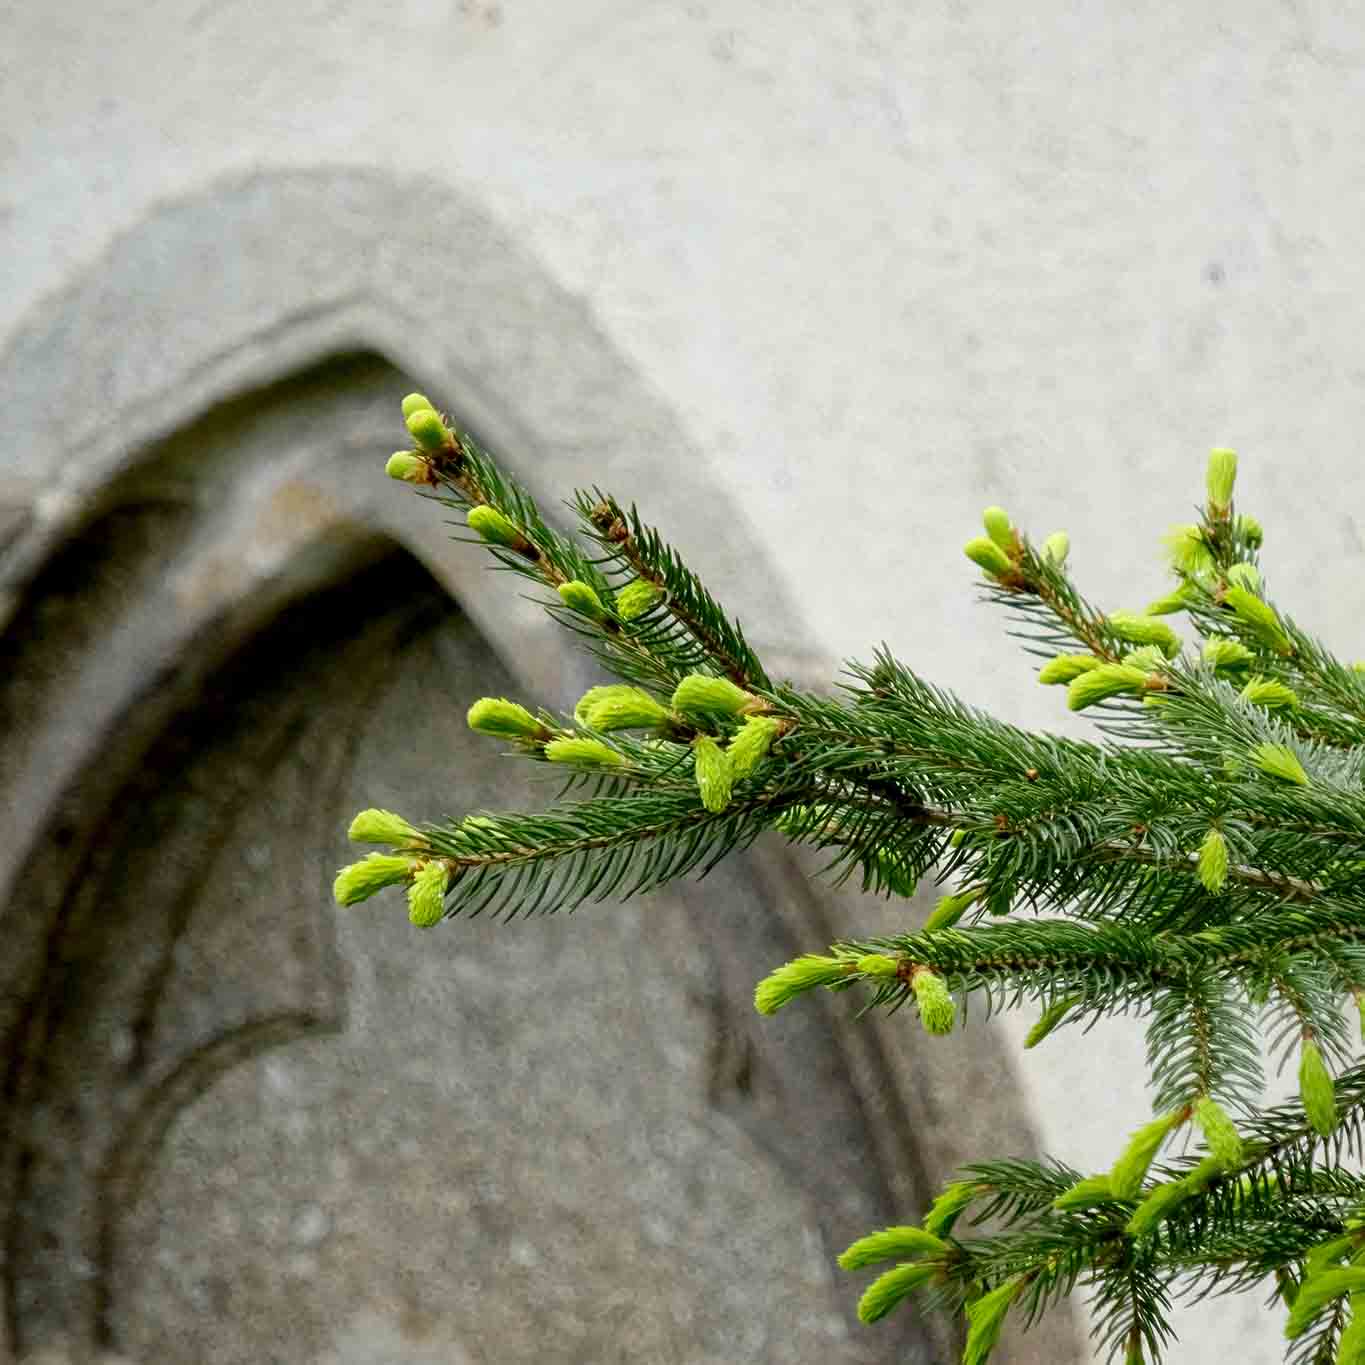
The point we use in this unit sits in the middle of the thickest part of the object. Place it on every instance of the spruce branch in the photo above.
(461, 475)
(1200, 865)
(632, 548)
(1035, 588)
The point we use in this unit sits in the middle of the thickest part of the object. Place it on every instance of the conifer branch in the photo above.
(638, 549)
(1202, 865)
(524, 543)
(1038, 592)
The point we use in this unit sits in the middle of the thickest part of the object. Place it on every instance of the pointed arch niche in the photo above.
(241, 1125)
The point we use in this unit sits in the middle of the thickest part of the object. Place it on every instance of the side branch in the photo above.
(1063, 954)
(627, 539)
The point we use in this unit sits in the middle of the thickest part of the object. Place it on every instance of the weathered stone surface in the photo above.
(893, 262)
(243, 1126)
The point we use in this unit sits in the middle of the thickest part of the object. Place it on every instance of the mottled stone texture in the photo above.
(815, 282)
(262, 1130)
(244, 1126)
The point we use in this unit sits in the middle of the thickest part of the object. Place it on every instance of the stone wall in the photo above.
(815, 283)
(243, 1126)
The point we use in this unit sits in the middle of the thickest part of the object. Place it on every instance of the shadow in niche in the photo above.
(607, 1076)
(184, 943)
(302, 685)
(166, 1204)
(534, 1114)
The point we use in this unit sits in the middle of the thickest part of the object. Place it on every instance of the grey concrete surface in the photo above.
(215, 1128)
(260, 1131)
(873, 265)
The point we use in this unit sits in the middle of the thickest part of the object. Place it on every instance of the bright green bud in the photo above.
(997, 523)
(1084, 1194)
(629, 708)
(801, 974)
(1316, 1089)
(877, 964)
(1220, 1133)
(492, 526)
(1360, 1010)
(891, 1244)
(988, 555)
(1142, 630)
(895, 875)
(1251, 531)
(1271, 694)
(1155, 699)
(591, 753)
(887, 1290)
(1171, 603)
(407, 467)
(985, 1317)
(1197, 1179)
(750, 746)
(427, 429)
(372, 873)
(1318, 1291)
(1260, 616)
(947, 1208)
(635, 599)
(1130, 1170)
(1155, 1207)
(1213, 861)
(1056, 547)
(503, 719)
(594, 696)
(1351, 1346)
(1065, 667)
(416, 402)
(1050, 1018)
(1222, 474)
(699, 694)
(1279, 761)
(1187, 550)
(1149, 658)
(1246, 576)
(1223, 653)
(714, 778)
(382, 827)
(579, 597)
(1331, 1252)
(936, 1008)
(951, 908)
(956, 838)
(427, 895)
(1098, 684)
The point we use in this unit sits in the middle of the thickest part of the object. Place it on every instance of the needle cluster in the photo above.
(1199, 865)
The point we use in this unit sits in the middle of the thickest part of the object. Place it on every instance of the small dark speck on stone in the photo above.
(1213, 273)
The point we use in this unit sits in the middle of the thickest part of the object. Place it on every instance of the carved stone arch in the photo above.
(195, 505)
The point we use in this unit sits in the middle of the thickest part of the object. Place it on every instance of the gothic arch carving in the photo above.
(186, 501)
